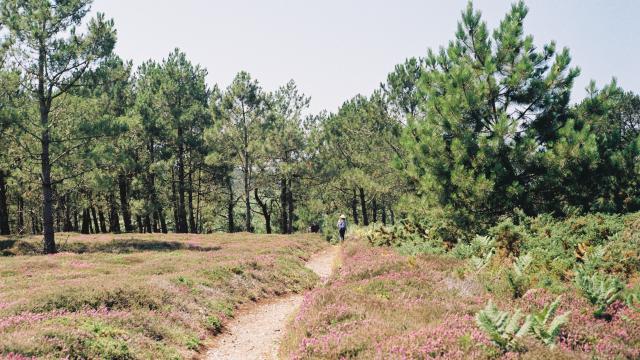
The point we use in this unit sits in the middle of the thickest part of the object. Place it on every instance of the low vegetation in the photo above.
(530, 288)
(139, 296)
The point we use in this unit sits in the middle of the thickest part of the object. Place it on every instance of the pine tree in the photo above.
(55, 56)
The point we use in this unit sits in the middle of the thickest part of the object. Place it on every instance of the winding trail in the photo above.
(257, 333)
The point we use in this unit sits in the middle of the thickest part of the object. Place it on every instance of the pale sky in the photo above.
(335, 49)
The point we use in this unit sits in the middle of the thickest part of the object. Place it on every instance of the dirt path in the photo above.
(257, 333)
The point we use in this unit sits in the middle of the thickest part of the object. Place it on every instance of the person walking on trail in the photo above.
(342, 226)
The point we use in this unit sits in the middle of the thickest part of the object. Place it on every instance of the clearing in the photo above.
(141, 296)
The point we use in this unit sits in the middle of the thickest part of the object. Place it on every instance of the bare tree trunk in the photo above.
(68, 225)
(230, 205)
(283, 206)
(174, 200)
(247, 202)
(163, 222)
(384, 215)
(114, 219)
(86, 222)
(354, 208)
(192, 219)
(4, 209)
(374, 209)
(124, 202)
(265, 211)
(182, 216)
(147, 223)
(96, 226)
(21, 229)
(198, 215)
(363, 204)
(291, 214)
(103, 223)
(139, 223)
(75, 220)
(156, 222)
(47, 190)
(58, 217)
(45, 162)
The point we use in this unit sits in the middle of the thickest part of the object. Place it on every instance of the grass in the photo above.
(383, 305)
(139, 296)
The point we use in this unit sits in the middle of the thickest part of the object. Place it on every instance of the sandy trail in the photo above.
(257, 333)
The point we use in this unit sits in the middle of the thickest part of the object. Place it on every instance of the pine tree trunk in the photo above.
(384, 215)
(86, 222)
(354, 208)
(139, 223)
(68, 226)
(283, 206)
(96, 225)
(182, 215)
(265, 211)
(75, 220)
(103, 223)
(198, 215)
(230, 205)
(124, 202)
(47, 190)
(114, 219)
(163, 222)
(247, 202)
(21, 225)
(374, 209)
(392, 216)
(147, 224)
(291, 215)
(45, 162)
(34, 224)
(192, 219)
(156, 221)
(363, 204)
(174, 199)
(4, 209)
(58, 221)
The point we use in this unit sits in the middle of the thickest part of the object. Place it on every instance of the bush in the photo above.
(601, 290)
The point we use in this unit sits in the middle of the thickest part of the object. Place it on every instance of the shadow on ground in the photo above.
(12, 247)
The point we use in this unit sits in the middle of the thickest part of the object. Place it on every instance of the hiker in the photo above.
(342, 226)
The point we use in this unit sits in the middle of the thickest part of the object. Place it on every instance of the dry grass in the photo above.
(139, 296)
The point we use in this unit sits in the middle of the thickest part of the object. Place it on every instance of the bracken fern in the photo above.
(545, 329)
(503, 328)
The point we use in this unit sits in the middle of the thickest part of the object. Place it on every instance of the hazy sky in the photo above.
(335, 49)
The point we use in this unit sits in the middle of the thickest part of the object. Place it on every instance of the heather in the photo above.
(382, 304)
(141, 296)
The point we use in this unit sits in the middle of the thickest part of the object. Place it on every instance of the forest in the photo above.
(477, 130)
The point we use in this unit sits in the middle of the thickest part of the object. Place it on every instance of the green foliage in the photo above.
(477, 149)
(214, 324)
(600, 289)
(517, 279)
(503, 328)
(544, 328)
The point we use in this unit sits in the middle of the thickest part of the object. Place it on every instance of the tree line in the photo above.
(474, 131)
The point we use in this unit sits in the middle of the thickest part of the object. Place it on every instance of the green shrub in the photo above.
(601, 290)
(503, 328)
(544, 328)
(214, 324)
(517, 278)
